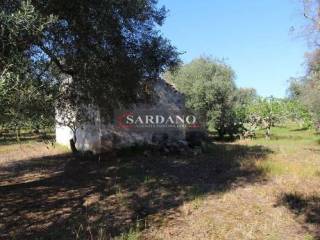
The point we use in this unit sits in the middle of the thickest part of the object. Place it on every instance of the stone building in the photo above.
(98, 136)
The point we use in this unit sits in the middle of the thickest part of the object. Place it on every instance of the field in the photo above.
(247, 189)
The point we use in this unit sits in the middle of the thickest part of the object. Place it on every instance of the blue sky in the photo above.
(253, 36)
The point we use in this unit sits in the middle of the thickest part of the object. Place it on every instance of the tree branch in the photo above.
(56, 61)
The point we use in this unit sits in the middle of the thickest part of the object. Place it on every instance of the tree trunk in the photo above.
(18, 134)
(221, 134)
(268, 133)
(73, 142)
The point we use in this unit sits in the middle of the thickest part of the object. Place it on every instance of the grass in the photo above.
(248, 189)
(277, 168)
(296, 152)
(8, 137)
(253, 211)
(131, 235)
(134, 233)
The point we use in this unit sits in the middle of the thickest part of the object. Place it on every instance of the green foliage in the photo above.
(211, 92)
(25, 104)
(295, 90)
(209, 88)
(299, 113)
(306, 90)
(244, 123)
(110, 49)
(131, 235)
(265, 113)
(245, 96)
(26, 96)
(21, 27)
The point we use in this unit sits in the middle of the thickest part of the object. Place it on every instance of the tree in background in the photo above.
(306, 90)
(311, 87)
(26, 104)
(210, 92)
(245, 96)
(246, 124)
(311, 10)
(26, 95)
(297, 112)
(209, 87)
(266, 113)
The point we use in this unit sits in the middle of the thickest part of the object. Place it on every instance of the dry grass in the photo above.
(244, 190)
(13, 153)
(250, 212)
(262, 210)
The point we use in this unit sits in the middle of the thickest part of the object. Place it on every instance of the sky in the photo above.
(255, 37)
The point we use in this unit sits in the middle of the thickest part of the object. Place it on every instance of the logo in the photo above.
(153, 119)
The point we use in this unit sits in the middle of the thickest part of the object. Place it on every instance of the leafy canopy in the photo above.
(26, 94)
(306, 89)
(111, 48)
(210, 91)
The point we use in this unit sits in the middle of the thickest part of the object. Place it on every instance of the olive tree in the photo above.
(209, 87)
(111, 49)
(306, 89)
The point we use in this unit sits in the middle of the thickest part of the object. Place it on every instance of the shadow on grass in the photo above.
(306, 208)
(7, 139)
(302, 129)
(108, 196)
(285, 137)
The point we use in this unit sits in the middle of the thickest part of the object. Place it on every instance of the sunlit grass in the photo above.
(296, 152)
(276, 168)
(32, 144)
(132, 234)
(289, 135)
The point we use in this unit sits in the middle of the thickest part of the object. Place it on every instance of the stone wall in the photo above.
(98, 137)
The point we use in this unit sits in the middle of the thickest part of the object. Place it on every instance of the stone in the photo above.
(100, 136)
